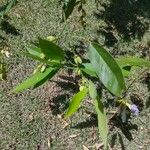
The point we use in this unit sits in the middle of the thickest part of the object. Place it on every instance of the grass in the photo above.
(30, 120)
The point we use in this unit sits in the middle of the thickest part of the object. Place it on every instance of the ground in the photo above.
(32, 119)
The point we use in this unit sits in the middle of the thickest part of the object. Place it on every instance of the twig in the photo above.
(114, 114)
(137, 78)
(63, 29)
(109, 147)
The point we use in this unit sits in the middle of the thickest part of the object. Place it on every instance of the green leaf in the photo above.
(34, 79)
(6, 8)
(126, 71)
(132, 61)
(92, 90)
(3, 71)
(106, 69)
(68, 8)
(101, 114)
(50, 63)
(88, 69)
(75, 102)
(51, 50)
(49, 76)
(35, 51)
(102, 121)
(36, 58)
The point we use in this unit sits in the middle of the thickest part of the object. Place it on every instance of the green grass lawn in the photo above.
(31, 120)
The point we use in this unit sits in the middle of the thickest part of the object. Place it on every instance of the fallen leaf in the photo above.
(85, 148)
(31, 117)
(73, 135)
(65, 125)
(49, 143)
(98, 146)
(59, 116)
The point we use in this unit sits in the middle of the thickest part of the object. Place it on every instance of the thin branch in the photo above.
(135, 79)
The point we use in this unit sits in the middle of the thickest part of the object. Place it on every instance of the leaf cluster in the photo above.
(100, 65)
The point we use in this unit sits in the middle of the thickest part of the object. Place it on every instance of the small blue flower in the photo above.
(134, 109)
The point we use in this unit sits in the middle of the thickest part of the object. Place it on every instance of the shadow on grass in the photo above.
(148, 103)
(121, 141)
(127, 17)
(113, 140)
(125, 128)
(80, 48)
(114, 137)
(2, 38)
(88, 123)
(147, 82)
(61, 102)
(9, 29)
(67, 85)
(116, 122)
(137, 101)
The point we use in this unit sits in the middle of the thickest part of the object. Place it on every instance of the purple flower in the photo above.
(134, 109)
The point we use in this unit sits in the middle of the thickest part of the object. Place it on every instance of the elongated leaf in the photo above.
(6, 8)
(126, 71)
(92, 90)
(106, 69)
(51, 50)
(75, 102)
(3, 71)
(88, 69)
(101, 114)
(35, 51)
(132, 61)
(102, 121)
(34, 79)
(50, 63)
(36, 58)
(68, 8)
(49, 76)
